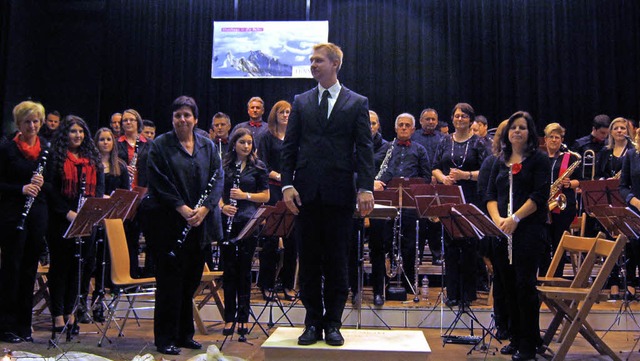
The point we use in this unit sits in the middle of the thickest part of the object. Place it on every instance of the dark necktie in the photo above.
(323, 111)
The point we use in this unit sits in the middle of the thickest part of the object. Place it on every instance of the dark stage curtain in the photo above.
(562, 60)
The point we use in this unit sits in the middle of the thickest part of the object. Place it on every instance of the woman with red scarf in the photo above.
(20, 248)
(75, 170)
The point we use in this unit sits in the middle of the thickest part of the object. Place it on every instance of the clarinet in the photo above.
(81, 195)
(133, 163)
(385, 161)
(201, 200)
(233, 202)
(27, 205)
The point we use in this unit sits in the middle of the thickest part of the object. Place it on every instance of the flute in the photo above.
(201, 200)
(27, 205)
(509, 214)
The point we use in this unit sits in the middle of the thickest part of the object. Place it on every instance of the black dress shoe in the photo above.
(378, 300)
(267, 295)
(437, 262)
(229, 331)
(509, 349)
(333, 337)
(10, 337)
(28, 339)
(523, 356)
(191, 344)
(311, 335)
(168, 350)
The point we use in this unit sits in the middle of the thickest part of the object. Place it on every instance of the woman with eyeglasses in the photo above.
(458, 159)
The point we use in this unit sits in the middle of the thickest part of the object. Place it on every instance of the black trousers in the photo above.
(375, 237)
(20, 251)
(63, 269)
(407, 245)
(496, 253)
(177, 279)
(560, 222)
(461, 268)
(323, 233)
(520, 280)
(236, 263)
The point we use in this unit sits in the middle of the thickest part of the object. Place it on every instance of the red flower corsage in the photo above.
(515, 168)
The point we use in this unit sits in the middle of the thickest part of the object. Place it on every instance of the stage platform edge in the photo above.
(370, 345)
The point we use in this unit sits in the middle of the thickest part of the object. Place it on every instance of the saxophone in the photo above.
(556, 198)
(134, 164)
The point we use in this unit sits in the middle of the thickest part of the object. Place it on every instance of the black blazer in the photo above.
(321, 158)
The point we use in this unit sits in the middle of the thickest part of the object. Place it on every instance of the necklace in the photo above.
(463, 157)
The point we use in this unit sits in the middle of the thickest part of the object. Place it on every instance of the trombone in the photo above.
(589, 160)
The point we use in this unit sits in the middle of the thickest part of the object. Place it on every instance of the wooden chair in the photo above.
(41, 292)
(577, 248)
(209, 286)
(574, 302)
(124, 285)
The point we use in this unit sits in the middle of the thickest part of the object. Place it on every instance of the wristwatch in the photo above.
(515, 218)
(248, 196)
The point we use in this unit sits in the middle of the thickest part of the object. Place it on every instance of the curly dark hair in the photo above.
(60, 144)
(532, 139)
(229, 158)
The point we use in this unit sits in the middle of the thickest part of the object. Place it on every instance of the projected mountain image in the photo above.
(251, 64)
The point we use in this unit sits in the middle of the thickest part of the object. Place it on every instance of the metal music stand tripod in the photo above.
(466, 221)
(432, 202)
(398, 194)
(123, 203)
(91, 212)
(380, 212)
(278, 222)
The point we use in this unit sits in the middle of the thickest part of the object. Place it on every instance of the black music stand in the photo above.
(432, 202)
(91, 212)
(278, 222)
(398, 194)
(616, 221)
(381, 212)
(123, 203)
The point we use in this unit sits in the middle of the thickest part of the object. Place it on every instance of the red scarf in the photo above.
(31, 152)
(70, 186)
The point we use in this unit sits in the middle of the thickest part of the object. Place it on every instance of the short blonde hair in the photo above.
(27, 108)
(554, 127)
(333, 52)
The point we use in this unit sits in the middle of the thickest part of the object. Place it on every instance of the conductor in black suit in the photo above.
(328, 141)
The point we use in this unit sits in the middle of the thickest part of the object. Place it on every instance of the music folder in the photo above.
(123, 203)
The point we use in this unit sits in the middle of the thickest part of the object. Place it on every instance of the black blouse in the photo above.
(630, 177)
(531, 182)
(113, 182)
(15, 172)
(467, 156)
(269, 152)
(607, 164)
(253, 179)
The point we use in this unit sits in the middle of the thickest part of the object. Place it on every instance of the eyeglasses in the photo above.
(461, 116)
(404, 125)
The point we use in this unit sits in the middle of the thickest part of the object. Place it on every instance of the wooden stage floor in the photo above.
(139, 340)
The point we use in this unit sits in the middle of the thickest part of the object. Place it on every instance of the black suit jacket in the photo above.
(321, 158)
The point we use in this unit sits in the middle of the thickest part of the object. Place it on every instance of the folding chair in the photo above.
(41, 292)
(577, 248)
(574, 302)
(124, 285)
(211, 282)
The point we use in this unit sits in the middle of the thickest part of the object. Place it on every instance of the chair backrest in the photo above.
(604, 249)
(575, 245)
(118, 250)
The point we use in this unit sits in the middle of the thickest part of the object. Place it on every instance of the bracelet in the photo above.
(515, 218)
(470, 176)
(248, 196)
